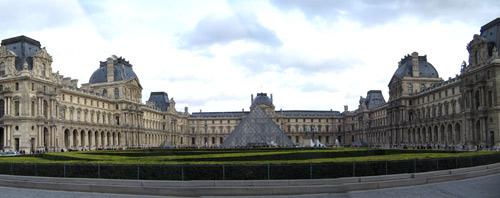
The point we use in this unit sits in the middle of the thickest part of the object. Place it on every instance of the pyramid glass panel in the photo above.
(257, 130)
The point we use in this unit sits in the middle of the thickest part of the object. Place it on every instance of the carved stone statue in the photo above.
(25, 65)
(494, 53)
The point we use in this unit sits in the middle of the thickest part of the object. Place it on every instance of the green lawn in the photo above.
(237, 156)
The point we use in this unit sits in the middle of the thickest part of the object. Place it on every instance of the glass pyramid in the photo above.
(257, 130)
(165, 144)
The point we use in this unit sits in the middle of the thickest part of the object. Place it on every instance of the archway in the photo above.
(435, 136)
(424, 140)
(66, 138)
(108, 139)
(46, 138)
(477, 131)
(2, 139)
(119, 139)
(441, 135)
(429, 135)
(450, 135)
(89, 139)
(82, 139)
(102, 140)
(458, 134)
(75, 138)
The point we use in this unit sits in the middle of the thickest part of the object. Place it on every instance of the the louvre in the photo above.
(44, 110)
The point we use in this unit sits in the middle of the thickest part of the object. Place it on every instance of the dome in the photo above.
(122, 71)
(425, 68)
(262, 98)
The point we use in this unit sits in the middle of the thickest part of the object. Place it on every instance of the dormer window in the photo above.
(478, 58)
(43, 70)
(2, 69)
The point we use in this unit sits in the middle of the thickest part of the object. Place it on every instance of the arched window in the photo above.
(2, 69)
(43, 70)
(2, 107)
(104, 92)
(478, 58)
(45, 109)
(117, 93)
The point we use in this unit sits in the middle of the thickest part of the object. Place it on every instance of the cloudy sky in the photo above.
(212, 55)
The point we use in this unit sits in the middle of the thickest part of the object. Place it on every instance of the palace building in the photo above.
(43, 110)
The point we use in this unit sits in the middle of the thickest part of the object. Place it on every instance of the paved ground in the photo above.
(484, 187)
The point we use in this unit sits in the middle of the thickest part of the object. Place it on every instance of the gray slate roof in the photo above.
(425, 68)
(374, 99)
(160, 99)
(122, 72)
(24, 47)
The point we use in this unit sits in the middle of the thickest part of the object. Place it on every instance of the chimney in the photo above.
(271, 98)
(251, 102)
(111, 73)
(415, 67)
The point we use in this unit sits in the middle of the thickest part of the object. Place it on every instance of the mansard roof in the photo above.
(160, 99)
(122, 70)
(426, 69)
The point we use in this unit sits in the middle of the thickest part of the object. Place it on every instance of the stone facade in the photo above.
(43, 110)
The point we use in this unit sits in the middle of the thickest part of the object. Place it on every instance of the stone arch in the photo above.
(429, 135)
(96, 139)
(435, 135)
(46, 138)
(477, 131)
(2, 107)
(45, 109)
(108, 139)
(458, 134)
(103, 139)
(67, 136)
(449, 135)
(75, 138)
(82, 139)
(89, 139)
(442, 134)
(424, 135)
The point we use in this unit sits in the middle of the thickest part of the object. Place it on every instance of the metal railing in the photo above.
(244, 172)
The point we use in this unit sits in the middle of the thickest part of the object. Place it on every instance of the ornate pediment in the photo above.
(4, 52)
(43, 55)
(134, 82)
(478, 51)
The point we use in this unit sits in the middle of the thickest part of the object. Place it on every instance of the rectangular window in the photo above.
(490, 99)
(16, 108)
(32, 86)
(32, 108)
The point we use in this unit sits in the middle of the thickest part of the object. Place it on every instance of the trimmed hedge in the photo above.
(245, 172)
